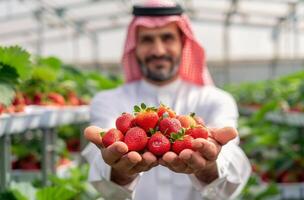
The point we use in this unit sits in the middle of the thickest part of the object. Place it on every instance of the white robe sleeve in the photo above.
(99, 176)
(233, 166)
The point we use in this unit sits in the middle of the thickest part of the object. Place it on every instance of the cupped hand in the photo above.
(201, 160)
(125, 165)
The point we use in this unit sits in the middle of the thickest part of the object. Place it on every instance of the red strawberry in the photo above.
(198, 132)
(158, 144)
(124, 122)
(136, 139)
(145, 117)
(37, 100)
(164, 109)
(27, 100)
(169, 125)
(19, 99)
(111, 136)
(186, 121)
(72, 99)
(181, 142)
(56, 98)
(1, 108)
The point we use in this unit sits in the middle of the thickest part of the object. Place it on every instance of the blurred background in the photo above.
(55, 55)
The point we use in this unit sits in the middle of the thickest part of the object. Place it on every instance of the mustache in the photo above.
(164, 57)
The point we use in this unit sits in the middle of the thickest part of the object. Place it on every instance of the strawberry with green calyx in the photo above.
(136, 139)
(111, 136)
(162, 109)
(169, 125)
(145, 117)
(198, 132)
(124, 122)
(158, 144)
(186, 121)
(181, 141)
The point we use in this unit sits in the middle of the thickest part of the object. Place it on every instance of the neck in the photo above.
(161, 83)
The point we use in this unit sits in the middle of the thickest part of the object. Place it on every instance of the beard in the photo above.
(159, 73)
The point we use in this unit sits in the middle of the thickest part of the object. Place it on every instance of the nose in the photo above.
(158, 48)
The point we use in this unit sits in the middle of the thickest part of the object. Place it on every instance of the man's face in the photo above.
(158, 51)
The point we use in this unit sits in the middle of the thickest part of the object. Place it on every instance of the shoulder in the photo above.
(208, 93)
(216, 94)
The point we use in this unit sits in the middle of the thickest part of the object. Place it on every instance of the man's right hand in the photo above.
(125, 165)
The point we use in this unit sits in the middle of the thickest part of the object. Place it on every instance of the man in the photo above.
(163, 62)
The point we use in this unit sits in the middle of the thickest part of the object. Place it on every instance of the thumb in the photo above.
(224, 135)
(92, 133)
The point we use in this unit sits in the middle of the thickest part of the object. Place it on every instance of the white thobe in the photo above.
(216, 107)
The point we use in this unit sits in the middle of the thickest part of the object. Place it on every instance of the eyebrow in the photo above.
(153, 35)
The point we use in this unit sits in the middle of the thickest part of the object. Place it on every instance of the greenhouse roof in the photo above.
(32, 22)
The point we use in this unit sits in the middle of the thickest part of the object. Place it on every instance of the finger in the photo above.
(147, 162)
(224, 135)
(194, 160)
(114, 152)
(150, 159)
(174, 162)
(127, 161)
(92, 133)
(209, 149)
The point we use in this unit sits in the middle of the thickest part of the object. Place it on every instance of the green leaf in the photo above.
(137, 108)
(102, 133)
(165, 115)
(50, 62)
(55, 192)
(7, 93)
(12, 194)
(25, 191)
(17, 58)
(143, 106)
(9, 75)
(45, 74)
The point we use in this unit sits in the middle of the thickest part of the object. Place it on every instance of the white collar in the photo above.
(168, 88)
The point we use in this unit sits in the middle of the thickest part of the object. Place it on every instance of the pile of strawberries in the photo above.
(157, 130)
(48, 99)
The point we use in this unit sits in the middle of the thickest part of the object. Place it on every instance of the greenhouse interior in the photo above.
(56, 56)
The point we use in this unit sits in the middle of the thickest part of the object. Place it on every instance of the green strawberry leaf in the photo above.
(152, 131)
(9, 74)
(17, 58)
(137, 108)
(143, 106)
(192, 114)
(165, 115)
(102, 133)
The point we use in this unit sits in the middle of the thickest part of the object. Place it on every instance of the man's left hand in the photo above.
(201, 161)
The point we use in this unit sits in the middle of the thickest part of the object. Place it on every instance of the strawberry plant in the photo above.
(275, 149)
(15, 67)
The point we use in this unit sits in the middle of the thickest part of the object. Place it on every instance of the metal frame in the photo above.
(231, 16)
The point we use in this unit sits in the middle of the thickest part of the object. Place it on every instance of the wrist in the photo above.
(122, 178)
(208, 174)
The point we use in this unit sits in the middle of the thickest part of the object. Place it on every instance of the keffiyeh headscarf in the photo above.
(192, 65)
